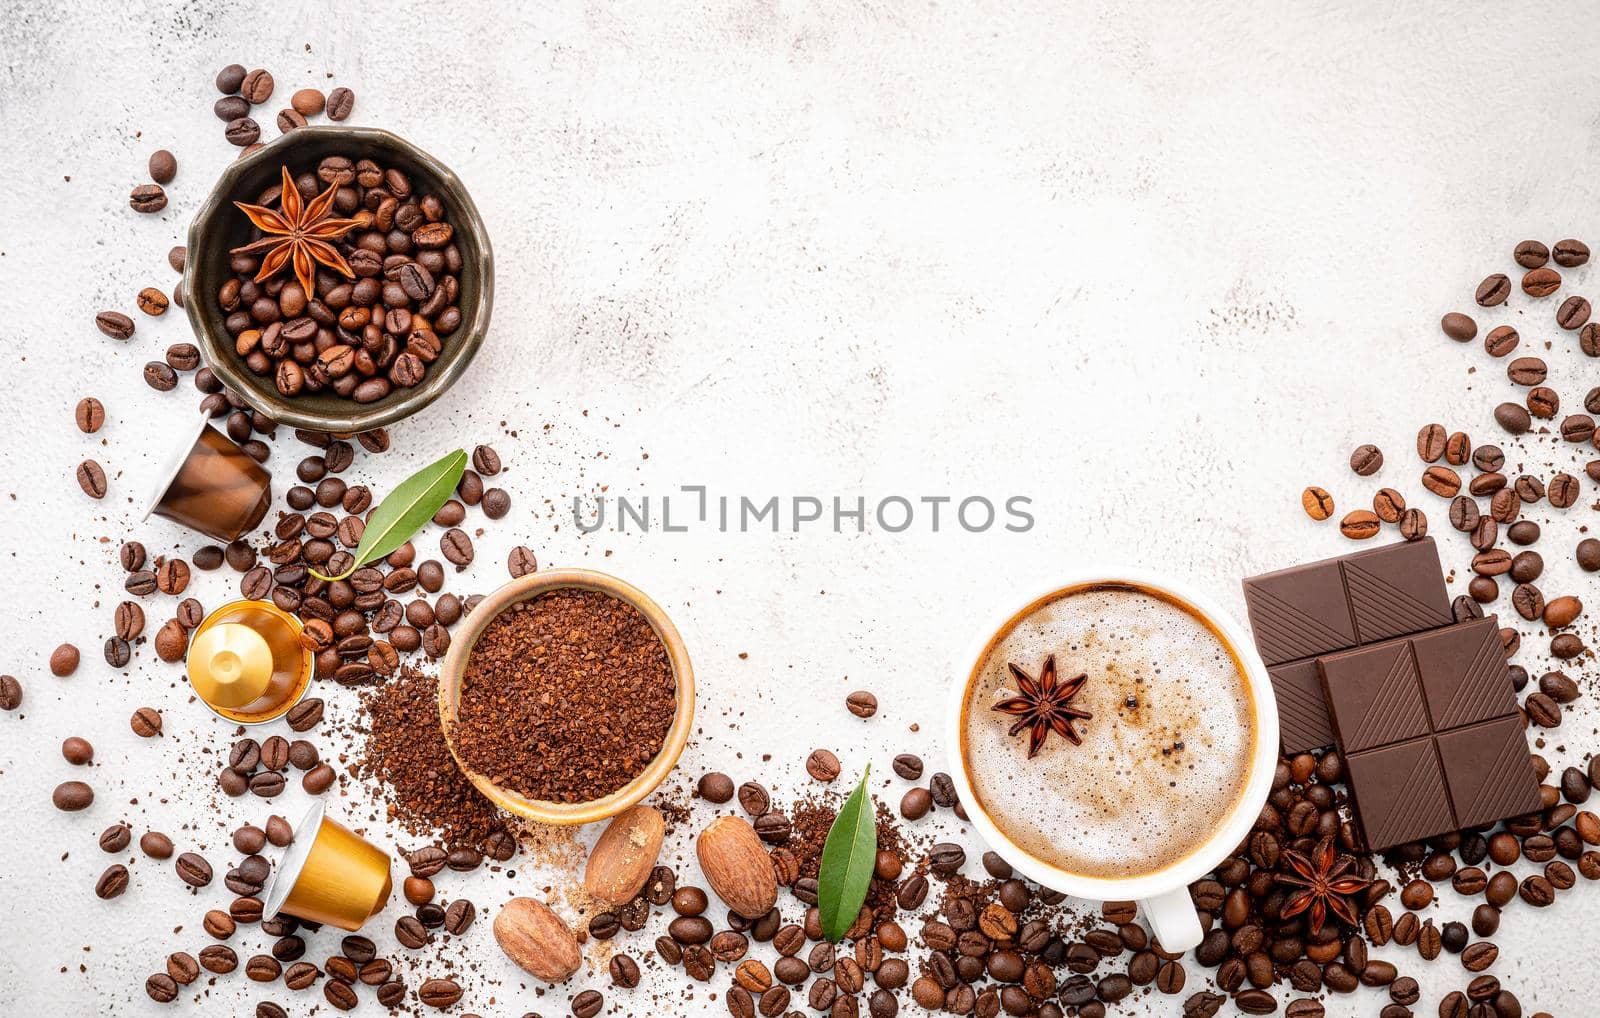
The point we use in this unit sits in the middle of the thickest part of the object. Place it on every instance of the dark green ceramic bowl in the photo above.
(219, 227)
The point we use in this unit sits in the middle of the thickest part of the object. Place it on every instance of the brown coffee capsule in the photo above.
(214, 487)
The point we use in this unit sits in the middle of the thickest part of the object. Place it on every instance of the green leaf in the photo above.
(411, 504)
(848, 858)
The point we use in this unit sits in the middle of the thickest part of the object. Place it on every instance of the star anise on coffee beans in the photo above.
(1326, 883)
(297, 235)
(1044, 705)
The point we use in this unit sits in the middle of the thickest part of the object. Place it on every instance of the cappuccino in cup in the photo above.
(1159, 765)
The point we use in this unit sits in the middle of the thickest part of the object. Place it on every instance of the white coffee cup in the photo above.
(1163, 896)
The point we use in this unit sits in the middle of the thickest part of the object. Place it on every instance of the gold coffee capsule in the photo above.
(213, 487)
(248, 663)
(330, 875)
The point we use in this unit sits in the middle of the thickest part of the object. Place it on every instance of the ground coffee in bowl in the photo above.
(566, 697)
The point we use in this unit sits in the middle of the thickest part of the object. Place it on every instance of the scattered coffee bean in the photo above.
(1493, 290)
(147, 198)
(340, 102)
(822, 765)
(1569, 254)
(1366, 460)
(1317, 503)
(92, 479)
(1359, 525)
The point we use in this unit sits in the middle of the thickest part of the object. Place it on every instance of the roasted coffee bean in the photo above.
(1493, 290)
(193, 869)
(1573, 313)
(443, 993)
(1413, 525)
(822, 765)
(1537, 891)
(146, 722)
(1513, 418)
(1570, 254)
(909, 766)
(1543, 402)
(92, 479)
(521, 562)
(305, 715)
(1359, 525)
(114, 324)
(698, 964)
(1501, 340)
(1527, 371)
(1464, 513)
(218, 959)
(1542, 710)
(1442, 481)
(1388, 504)
(456, 547)
(410, 932)
(1317, 503)
(715, 787)
(1531, 254)
(72, 796)
(1541, 282)
(1458, 326)
(147, 198)
(316, 781)
(753, 799)
(341, 995)
(160, 376)
(458, 916)
(340, 101)
(1366, 460)
(161, 988)
(1479, 956)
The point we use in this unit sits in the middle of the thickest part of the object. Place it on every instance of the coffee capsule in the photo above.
(330, 875)
(213, 487)
(248, 662)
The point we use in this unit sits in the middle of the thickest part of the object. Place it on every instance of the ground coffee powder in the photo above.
(566, 698)
(405, 749)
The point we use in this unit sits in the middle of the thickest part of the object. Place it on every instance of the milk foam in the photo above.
(1164, 760)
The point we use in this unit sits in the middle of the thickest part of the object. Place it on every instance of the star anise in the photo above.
(1326, 883)
(1044, 705)
(298, 234)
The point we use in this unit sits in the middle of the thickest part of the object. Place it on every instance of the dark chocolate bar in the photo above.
(1429, 730)
(1303, 612)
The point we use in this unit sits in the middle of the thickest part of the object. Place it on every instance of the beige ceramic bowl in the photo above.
(527, 588)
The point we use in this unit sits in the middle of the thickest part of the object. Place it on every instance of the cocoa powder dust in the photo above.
(566, 698)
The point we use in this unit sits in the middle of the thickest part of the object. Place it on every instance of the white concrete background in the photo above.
(1154, 266)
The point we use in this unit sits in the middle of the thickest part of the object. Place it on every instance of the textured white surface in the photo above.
(1155, 266)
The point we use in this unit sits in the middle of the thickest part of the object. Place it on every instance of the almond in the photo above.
(624, 856)
(737, 867)
(537, 940)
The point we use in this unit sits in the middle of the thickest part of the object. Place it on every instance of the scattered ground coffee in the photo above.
(405, 749)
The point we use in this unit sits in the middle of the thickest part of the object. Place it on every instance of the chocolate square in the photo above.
(1489, 771)
(1400, 793)
(1395, 590)
(1373, 696)
(1303, 723)
(1464, 675)
(1299, 612)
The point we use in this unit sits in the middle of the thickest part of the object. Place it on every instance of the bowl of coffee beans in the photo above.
(566, 696)
(338, 279)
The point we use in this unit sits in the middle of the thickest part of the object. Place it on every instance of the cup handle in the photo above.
(1174, 920)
